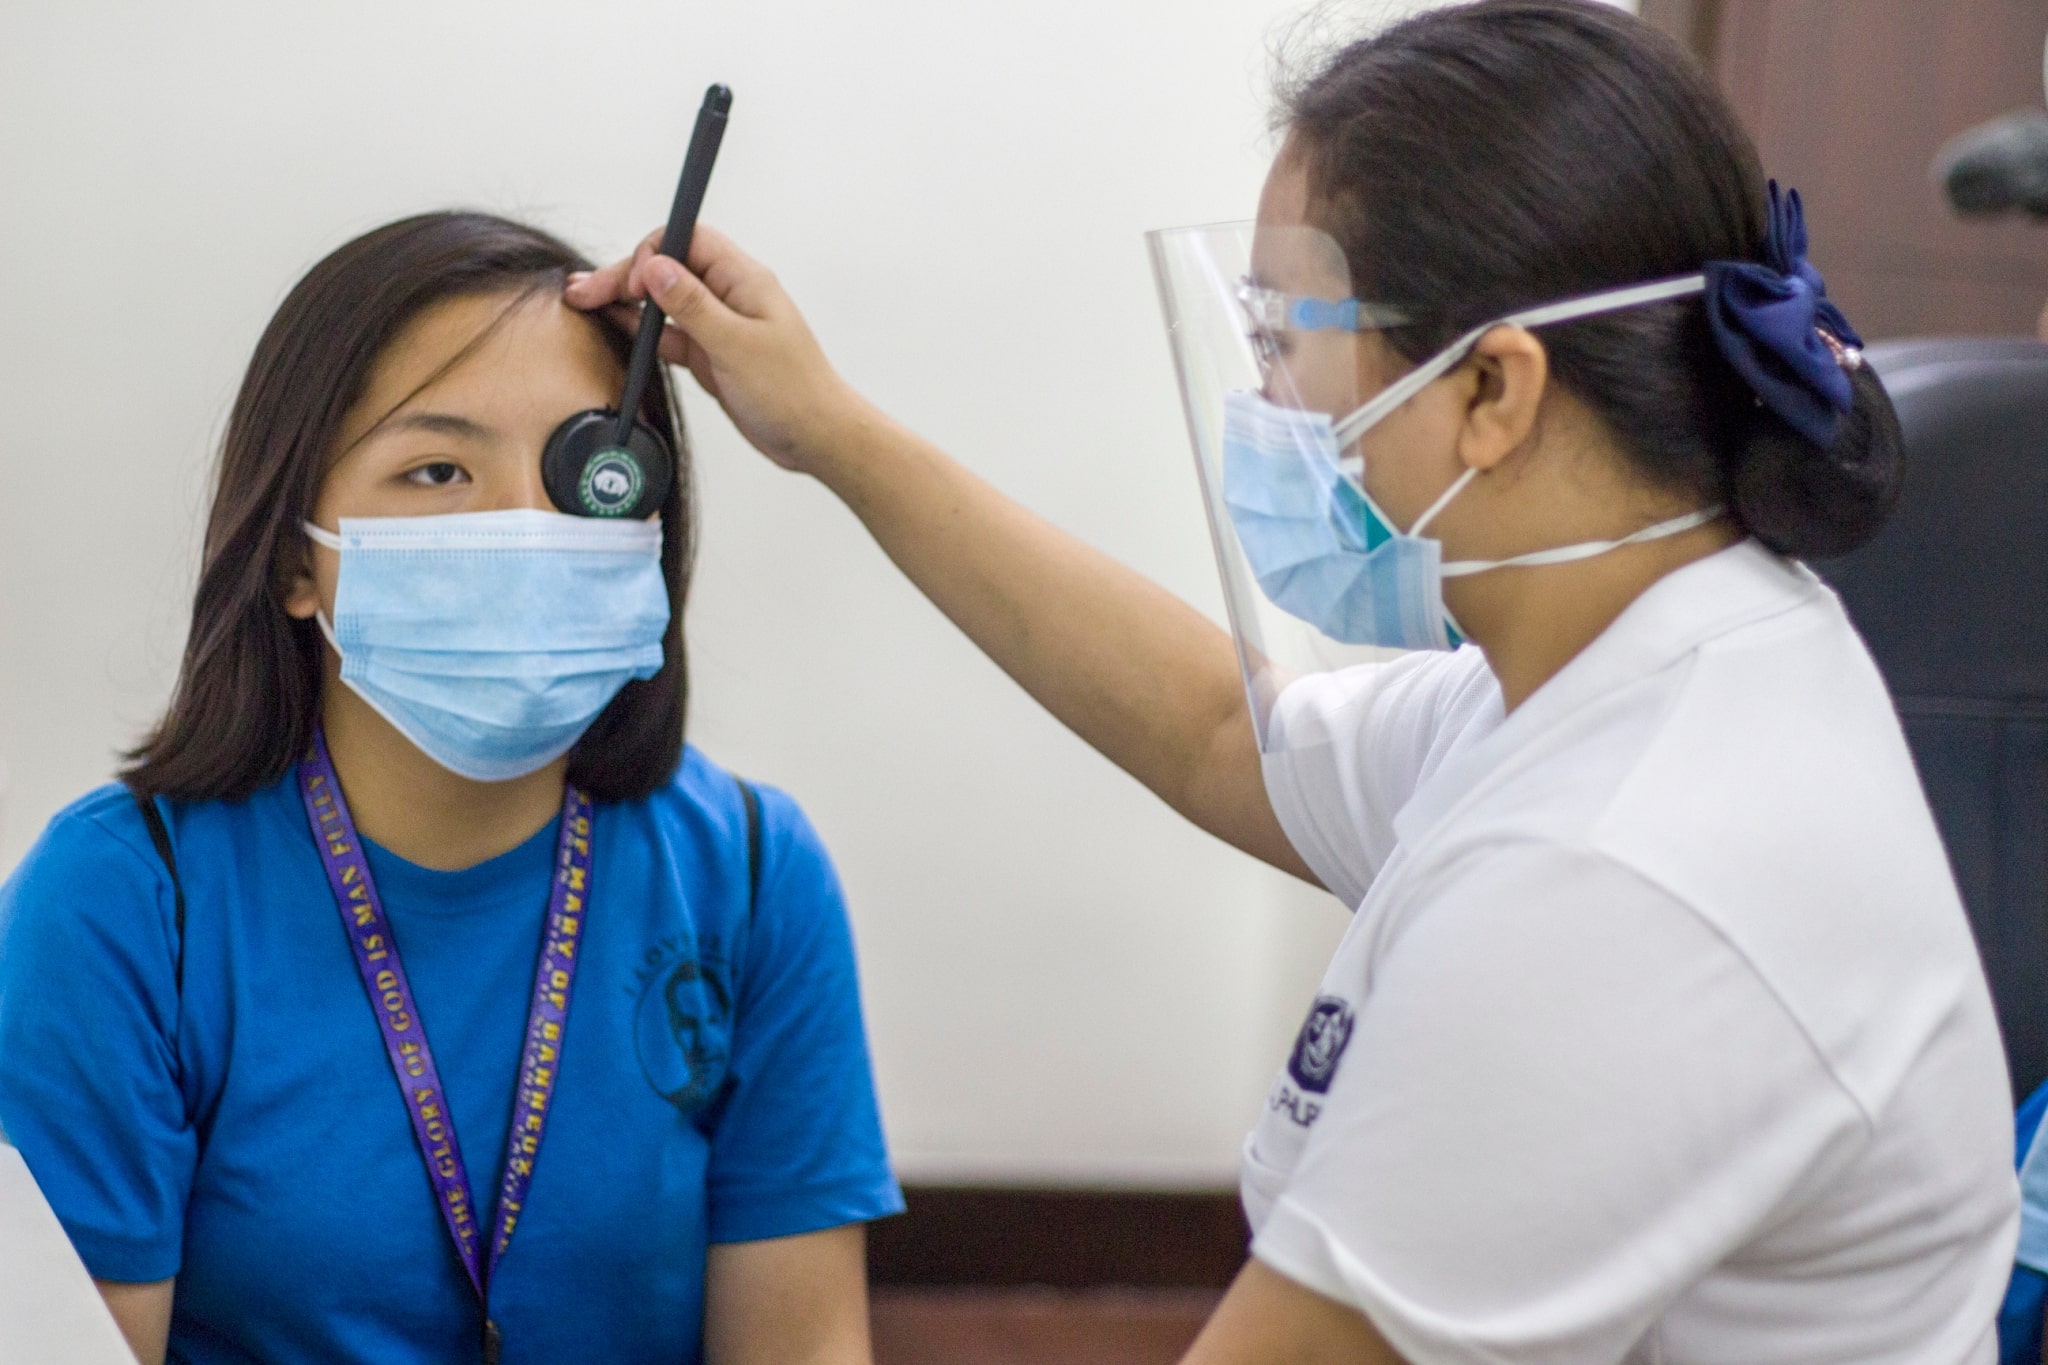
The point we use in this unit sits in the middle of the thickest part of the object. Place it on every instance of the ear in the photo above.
(301, 588)
(1513, 373)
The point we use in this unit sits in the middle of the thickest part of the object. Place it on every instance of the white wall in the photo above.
(1064, 982)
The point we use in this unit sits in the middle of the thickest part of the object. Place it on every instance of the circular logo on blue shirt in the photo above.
(611, 482)
(683, 1028)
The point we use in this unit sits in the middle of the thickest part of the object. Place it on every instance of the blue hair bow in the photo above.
(1768, 319)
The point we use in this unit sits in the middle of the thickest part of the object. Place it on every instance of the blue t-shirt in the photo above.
(248, 1136)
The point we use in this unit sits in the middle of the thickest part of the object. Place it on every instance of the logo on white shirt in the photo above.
(1320, 1045)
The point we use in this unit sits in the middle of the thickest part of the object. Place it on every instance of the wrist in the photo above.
(844, 438)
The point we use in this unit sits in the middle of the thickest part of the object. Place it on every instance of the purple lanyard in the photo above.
(405, 1038)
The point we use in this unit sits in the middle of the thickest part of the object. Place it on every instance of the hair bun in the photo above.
(1814, 503)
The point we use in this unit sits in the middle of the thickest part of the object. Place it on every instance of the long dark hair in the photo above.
(1476, 160)
(248, 690)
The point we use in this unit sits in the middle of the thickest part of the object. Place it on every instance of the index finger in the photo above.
(739, 281)
(612, 283)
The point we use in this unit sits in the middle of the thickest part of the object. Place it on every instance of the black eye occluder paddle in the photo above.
(606, 462)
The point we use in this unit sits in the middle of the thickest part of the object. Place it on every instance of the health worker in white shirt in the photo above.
(1658, 1034)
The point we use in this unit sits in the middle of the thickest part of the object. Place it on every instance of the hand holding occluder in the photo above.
(742, 338)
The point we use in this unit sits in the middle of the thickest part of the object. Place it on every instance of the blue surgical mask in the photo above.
(1320, 548)
(492, 640)
(1325, 553)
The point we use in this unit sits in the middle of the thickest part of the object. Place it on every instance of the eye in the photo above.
(1269, 348)
(438, 474)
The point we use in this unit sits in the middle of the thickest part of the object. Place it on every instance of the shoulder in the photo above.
(1523, 931)
(1536, 935)
(773, 850)
(96, 824)
(1421, 691)
(95, 862)
(707, 801)
(793, 911)
(1529, 885)
(98, 842)
(1564, 976)
(1779, 800)
(1344, 752)
(92, 881)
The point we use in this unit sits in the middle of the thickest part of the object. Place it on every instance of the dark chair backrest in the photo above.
(1953, 599)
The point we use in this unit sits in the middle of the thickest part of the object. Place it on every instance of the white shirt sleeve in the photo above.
(1563, 1099)
(1347, 749)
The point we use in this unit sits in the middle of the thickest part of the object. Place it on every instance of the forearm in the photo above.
(143, 1313)
(1144, 678)
(799, 1300)
(1134, 671)
(1268, 1319)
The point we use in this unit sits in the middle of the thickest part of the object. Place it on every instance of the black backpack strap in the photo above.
(160, 835)
(752, 799)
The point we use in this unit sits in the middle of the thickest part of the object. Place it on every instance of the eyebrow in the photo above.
(441, 423)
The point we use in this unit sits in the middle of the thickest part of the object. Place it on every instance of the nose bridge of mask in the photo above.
(520, 581)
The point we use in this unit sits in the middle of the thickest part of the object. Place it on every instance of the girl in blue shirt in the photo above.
(206, 1057)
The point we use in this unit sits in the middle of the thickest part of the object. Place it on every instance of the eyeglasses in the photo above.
(1273, 311)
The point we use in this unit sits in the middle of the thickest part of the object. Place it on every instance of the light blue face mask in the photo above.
(492, 640)
(1325, 553)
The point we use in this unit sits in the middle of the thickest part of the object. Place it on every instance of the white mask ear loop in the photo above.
(1401, 390)
(1566, 554)
(320, 535)
(1456, 488)
(1407, 386)
(327, 629)
(1588, 305)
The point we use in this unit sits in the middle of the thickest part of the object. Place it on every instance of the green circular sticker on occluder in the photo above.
(611, 482)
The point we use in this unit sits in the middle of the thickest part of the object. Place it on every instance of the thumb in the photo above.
(689, 303)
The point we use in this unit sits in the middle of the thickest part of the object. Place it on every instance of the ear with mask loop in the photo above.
(1584, 306)
(605, 462)
(1771, 319)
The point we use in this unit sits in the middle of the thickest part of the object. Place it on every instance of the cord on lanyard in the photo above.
(405, 1036)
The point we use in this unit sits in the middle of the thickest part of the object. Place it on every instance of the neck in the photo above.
(1533, 621)
(411, 805)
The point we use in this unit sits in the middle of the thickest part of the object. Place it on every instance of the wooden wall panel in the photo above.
(1849, 100)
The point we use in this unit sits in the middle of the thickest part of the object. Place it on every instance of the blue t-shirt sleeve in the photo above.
(89, 1088)
(798, 1145)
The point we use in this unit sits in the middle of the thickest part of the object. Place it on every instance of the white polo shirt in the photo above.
(1659, 1034)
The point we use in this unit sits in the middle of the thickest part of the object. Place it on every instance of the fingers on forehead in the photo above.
(603, 284)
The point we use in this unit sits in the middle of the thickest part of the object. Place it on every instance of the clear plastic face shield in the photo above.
(1265, 335)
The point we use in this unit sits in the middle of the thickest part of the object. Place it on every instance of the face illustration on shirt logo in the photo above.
(1320, 1045)
(683, 1028)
